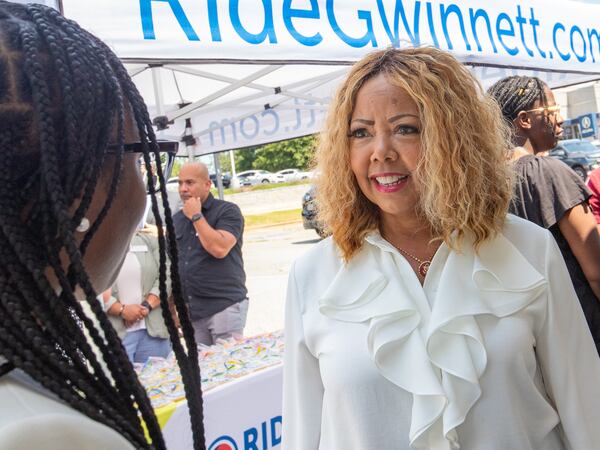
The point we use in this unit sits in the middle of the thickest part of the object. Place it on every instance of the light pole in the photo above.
(234, 181)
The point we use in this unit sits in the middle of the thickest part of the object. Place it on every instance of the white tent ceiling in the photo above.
(256, 71)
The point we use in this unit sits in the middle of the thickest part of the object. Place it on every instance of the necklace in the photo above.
(423, 264)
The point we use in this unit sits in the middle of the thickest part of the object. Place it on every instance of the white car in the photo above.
(294, 174)
(253, 177)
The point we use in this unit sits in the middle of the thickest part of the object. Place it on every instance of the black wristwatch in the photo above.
(146, 304)
(196, 217)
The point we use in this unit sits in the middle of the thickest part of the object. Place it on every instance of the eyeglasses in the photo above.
(136, 147)
(552, 109)
(167, 151)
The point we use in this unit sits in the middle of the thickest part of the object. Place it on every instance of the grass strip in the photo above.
(273, 218)
(260, 187)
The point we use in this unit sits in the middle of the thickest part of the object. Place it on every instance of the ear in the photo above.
(522, 121)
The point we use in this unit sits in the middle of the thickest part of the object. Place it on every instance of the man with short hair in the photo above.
(209, 238)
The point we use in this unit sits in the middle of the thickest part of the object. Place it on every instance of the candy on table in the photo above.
(225, 361)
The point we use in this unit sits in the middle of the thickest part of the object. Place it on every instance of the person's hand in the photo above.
(153, 300)
(133, 313)
(191, 206)
(106, 295)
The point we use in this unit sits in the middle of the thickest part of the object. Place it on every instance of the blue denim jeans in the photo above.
(140, 346)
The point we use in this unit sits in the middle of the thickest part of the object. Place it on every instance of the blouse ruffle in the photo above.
(437, 355)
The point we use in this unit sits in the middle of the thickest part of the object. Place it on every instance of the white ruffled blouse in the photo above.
(491, 353)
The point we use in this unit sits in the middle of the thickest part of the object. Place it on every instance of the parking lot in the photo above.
(268, 255)
(268, 252)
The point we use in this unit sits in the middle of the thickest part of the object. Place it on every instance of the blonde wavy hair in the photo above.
(464, 181)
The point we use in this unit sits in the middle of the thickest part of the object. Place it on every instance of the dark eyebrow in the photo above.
(390, 120)
(400, 116)
(365, 121)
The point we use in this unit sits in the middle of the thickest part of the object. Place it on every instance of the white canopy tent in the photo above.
(247, 72)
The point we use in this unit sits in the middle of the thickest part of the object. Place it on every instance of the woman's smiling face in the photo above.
(385, 146)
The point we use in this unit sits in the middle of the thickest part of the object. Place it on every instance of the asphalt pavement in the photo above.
(268, 200)
(268, 256)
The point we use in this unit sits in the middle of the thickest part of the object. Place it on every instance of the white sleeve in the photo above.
(302, 387)
(568, 358)
(60, 432)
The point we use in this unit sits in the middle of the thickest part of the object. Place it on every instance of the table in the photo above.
(244, 414)
(242, 386)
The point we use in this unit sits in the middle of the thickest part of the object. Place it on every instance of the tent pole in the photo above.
(274, 105)
(191, 153)
(132, 73)
(185, 112)
(260, 87)
(218, 175)
(158, 90)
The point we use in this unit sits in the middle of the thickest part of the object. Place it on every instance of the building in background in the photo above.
(580, 106)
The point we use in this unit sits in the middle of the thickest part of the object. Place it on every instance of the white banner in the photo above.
(546, 34)
(174, 47)
(222, 131)
(241, 415)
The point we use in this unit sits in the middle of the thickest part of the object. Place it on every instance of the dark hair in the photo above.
(517, 93)
(62, 93)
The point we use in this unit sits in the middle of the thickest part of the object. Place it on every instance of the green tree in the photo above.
(293, 153)
(244, 159)
(177, 166)
(225, 161)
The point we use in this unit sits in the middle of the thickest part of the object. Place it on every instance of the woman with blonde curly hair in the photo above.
(430, 319)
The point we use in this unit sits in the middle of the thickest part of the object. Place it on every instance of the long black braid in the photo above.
(517, 93)
(62, 92)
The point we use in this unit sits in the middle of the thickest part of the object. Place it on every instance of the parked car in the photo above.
(175, 203)
(225, 179)
(309, 213)
(294, 174)
(173, 183)
(253, 177)
(582, 156)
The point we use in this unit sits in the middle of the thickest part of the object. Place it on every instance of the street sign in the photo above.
(588, 125)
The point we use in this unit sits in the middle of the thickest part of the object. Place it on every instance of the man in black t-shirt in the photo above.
(209, 239)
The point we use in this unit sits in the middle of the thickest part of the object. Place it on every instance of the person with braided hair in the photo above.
(547, 191)
(72, 130)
